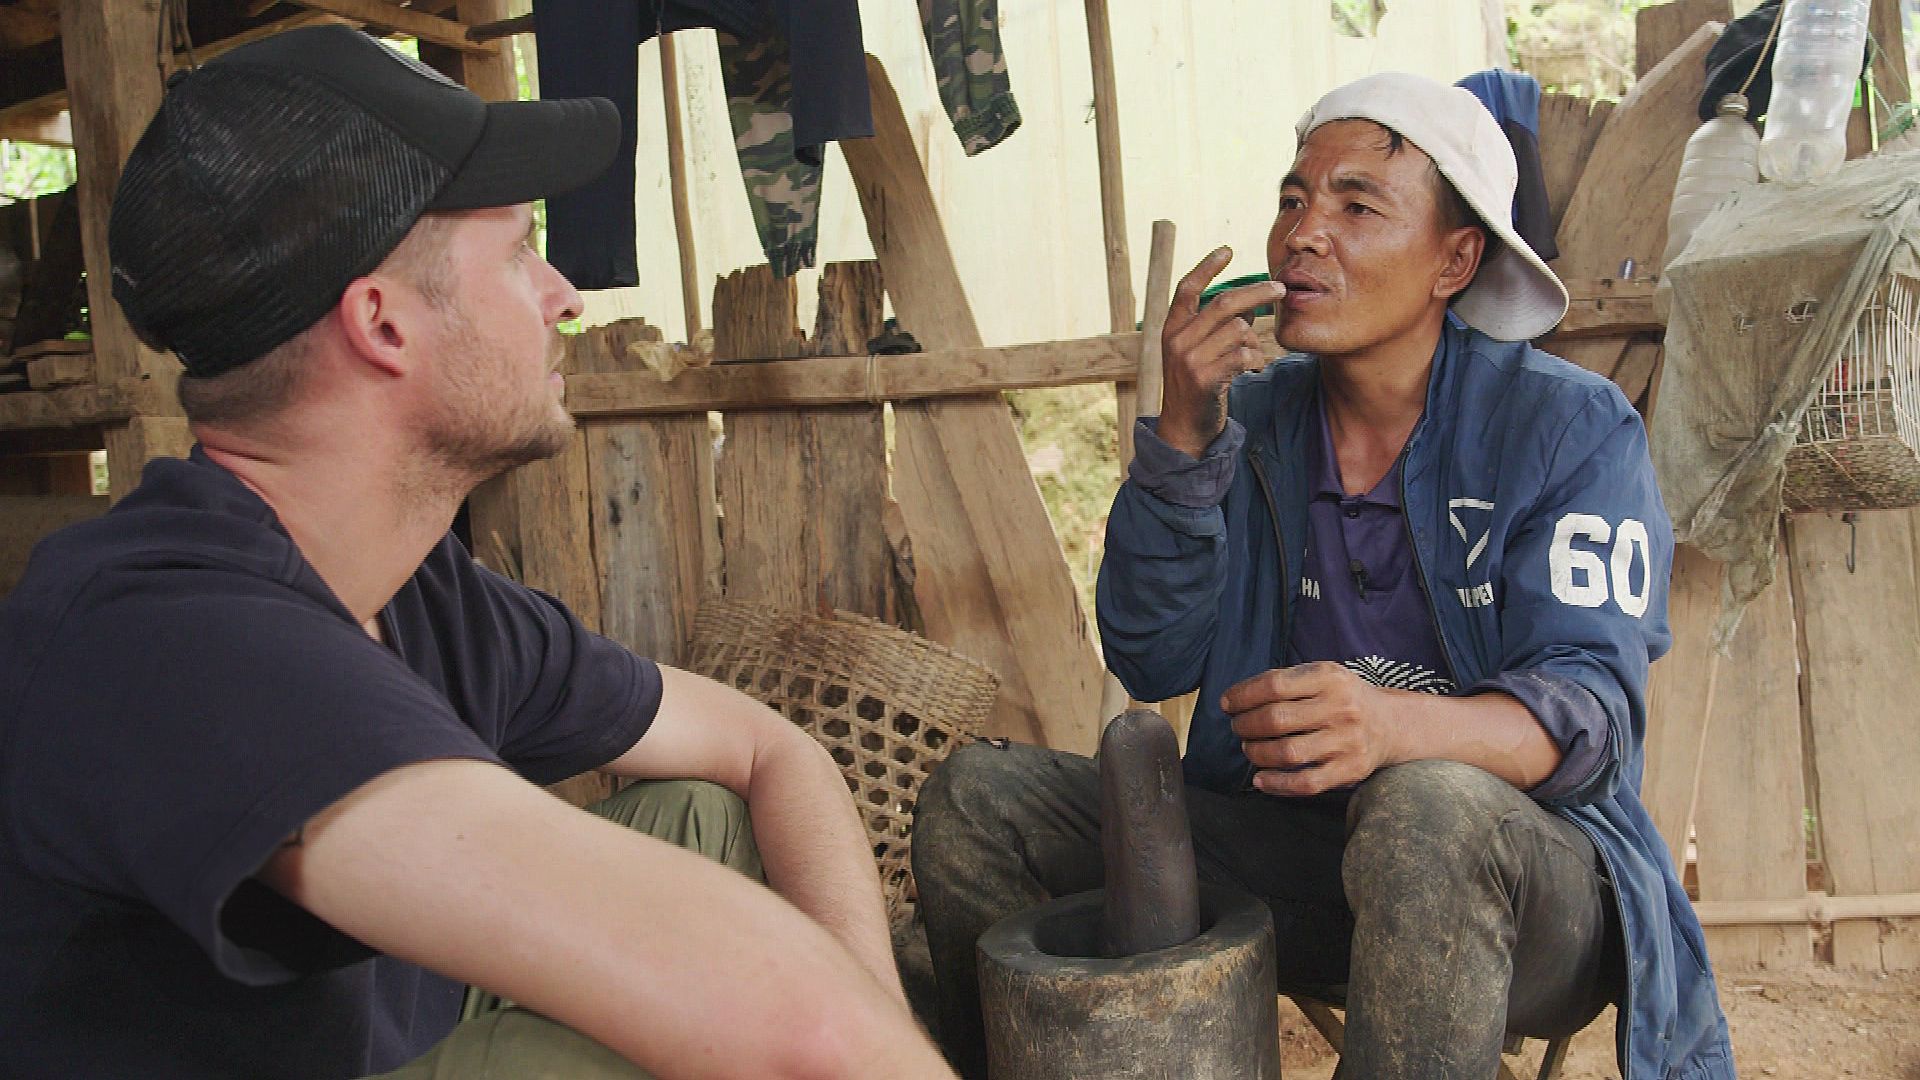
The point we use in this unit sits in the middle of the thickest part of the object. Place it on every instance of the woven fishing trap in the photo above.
(887, 704)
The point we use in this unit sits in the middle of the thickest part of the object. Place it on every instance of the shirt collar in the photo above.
(1324, 468)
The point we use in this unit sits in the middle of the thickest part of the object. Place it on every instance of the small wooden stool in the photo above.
(1333, 1029)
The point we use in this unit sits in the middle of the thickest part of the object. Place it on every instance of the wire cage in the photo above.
(1858, 447)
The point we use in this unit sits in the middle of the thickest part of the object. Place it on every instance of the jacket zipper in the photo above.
(1280, 547)
(1420, 571)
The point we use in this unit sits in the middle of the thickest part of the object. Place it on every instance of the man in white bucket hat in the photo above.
(1416, 570)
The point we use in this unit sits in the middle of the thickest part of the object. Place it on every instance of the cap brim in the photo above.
(1515, 296)
(532, 149)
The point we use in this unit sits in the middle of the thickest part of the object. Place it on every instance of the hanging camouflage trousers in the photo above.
(963, 39)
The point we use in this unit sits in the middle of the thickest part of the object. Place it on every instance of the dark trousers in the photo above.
(1445, 908)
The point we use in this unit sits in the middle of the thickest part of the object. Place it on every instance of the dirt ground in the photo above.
(1817, 1024)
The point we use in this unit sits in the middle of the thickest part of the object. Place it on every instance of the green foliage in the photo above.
(1068, 436)
(29, 170)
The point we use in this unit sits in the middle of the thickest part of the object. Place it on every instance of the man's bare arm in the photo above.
(812, 845)
(679, 964)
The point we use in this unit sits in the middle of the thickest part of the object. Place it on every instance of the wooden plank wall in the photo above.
(1863, 648)
(655, 527)
(802, 490)
(1808, 717)
(1748, 816)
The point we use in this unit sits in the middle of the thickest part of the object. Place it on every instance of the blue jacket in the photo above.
(1539, 532)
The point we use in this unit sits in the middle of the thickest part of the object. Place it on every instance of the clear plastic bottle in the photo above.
(1822, 44)
(1722, 157)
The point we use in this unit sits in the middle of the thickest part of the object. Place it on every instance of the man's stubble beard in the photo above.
(469, 438)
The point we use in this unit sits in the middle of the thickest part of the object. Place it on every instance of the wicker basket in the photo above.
(1859, 443)
(888, 705)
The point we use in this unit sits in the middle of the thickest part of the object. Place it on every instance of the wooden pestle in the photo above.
(1152, 893)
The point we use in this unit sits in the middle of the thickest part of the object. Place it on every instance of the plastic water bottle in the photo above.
(1822, 44)
(1722, 157)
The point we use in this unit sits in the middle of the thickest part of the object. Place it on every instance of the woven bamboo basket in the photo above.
(887, 704)
(1858, 447)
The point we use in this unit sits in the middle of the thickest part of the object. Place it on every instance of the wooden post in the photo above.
(1113, 204)
(1159, 299)
(991, 581)
(488, 74)
(1884, 24)
(1146, 390)
(494, 511)
(677, 180)
(110, 48)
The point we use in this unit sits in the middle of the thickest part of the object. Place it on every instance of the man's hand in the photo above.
(1201, 352)
(1317, 727)
(1312, 728)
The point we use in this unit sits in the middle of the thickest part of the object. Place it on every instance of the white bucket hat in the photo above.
(1514, 297)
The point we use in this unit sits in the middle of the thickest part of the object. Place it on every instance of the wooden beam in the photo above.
(519, 24)
(990, 578)
(1607, 307)
(33, 85)
(115, 89)
(848, 380)
(53, 372)
(77, 406)
(410, 21)
(23, 26)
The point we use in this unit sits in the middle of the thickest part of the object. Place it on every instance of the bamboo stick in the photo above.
(1816, 907)
(677, 178)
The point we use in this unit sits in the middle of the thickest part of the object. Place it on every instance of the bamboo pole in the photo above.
(677, 178)
(1145, 394)
(1113, 196)
(1816, 907)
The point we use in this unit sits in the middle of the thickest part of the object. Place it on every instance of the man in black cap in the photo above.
(270, 739)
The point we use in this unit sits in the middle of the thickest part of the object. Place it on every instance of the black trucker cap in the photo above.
(275, 175)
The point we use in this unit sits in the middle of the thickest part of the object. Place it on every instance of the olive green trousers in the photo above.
(498, 1040)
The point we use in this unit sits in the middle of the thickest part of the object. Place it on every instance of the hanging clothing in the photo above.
(782, 114)
(589, 47)
(1513, 98)
(783, 179)
(963, 38)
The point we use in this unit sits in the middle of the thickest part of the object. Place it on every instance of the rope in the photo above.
(1764, 46)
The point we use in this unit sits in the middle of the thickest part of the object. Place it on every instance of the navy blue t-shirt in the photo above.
(179, 693)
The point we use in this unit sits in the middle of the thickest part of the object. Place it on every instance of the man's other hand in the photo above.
(1201, 352)
(1312, 728)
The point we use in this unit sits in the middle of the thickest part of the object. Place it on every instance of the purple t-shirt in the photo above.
(1361, 600)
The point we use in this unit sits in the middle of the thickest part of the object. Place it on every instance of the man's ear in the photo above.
(1465, 247)
(378, 317)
